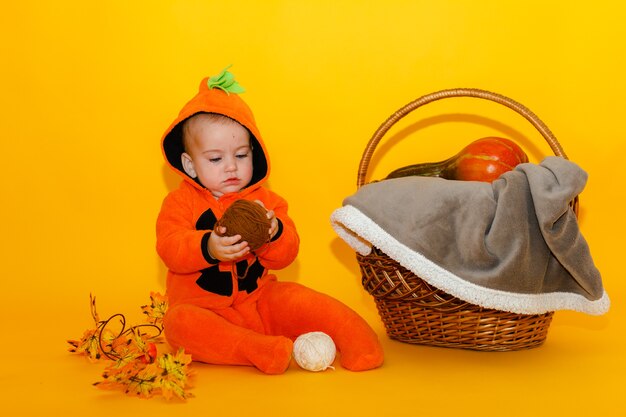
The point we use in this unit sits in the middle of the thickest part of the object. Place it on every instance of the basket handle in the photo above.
(459, 92)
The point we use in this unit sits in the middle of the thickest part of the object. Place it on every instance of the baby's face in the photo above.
(219, 154)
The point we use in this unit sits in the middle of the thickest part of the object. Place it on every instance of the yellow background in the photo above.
(87, 88)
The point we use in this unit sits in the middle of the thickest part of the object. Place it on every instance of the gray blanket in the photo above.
(513, 245)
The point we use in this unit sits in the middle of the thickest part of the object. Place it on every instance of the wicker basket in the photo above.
(415, 312)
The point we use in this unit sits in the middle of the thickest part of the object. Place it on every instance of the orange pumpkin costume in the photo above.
(238, 313)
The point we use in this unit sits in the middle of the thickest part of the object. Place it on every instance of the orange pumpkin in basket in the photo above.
(482, 160)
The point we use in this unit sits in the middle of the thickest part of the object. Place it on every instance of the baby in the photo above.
(219, 155)
(226, 307)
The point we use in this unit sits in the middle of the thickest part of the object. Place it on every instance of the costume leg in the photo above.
(210, 338)
(290, 309)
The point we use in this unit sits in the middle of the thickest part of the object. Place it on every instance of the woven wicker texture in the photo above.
(415, 312)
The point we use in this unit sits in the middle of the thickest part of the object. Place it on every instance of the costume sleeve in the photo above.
(283, 249)
(179, 244)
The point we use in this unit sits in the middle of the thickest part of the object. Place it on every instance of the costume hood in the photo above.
(218, 94)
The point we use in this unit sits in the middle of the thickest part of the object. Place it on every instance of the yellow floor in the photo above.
(87, 89)
(579, 371)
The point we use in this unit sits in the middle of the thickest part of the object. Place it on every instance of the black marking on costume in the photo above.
(218, 282)
(206, 221)
(248, 283)
(212, 279)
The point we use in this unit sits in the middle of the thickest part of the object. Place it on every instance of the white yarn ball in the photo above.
(314, 351)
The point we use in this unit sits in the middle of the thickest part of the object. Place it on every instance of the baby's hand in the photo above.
(272, 217)
(226, 248)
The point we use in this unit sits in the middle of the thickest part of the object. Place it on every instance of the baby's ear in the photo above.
(188, 165)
